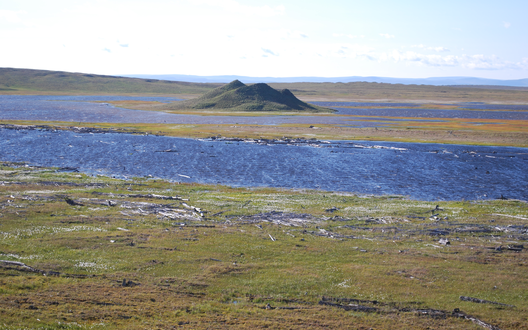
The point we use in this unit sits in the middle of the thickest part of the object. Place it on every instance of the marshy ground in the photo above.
(83, 252)
(94, 252)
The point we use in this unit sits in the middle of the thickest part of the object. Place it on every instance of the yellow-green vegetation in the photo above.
(82, 252)
(363, 91)
(85, 252)
(448, 131)
(26, 81)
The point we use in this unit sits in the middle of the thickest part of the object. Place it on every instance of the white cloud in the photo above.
(293, 34)
(507, 24)
(234, 6)
(482, 62)
(386, 35)
(436, 49)
(11, 16)
(477, 62)
(345, 50)
(351, 36)
(267, 51)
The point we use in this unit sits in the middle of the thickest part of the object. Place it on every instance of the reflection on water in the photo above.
(421, 171)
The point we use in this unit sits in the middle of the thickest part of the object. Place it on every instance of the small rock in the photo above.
(444, 241)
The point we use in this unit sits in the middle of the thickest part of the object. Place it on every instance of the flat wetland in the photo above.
(87, 251)
(93, 252)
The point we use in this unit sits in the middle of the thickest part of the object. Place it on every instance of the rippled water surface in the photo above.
(83, 109)
(421, 171)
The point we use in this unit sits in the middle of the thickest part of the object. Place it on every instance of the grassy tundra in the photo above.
(404, 129)
(85, 252)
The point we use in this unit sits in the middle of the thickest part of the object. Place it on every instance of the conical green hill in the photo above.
(237, 96)
(220, 90)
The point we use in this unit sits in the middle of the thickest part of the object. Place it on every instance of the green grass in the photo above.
(222, 270)
(25, 81)
(236, 96)
(383, 92)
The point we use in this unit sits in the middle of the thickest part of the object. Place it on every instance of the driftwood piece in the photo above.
(129, 283)
(482, 301)
(350, 307)
(19, 264)
(72, 202)
(154, 196)
(458, 313)
(435, 313)
(23, 267)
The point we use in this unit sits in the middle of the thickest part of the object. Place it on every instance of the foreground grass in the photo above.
(251, 248)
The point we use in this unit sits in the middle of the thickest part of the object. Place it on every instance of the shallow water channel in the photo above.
(420, 171)
(84, 109)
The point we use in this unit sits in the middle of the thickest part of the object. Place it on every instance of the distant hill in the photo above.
(435, 81)
(28, 81)
(31, 81)
(237, 96)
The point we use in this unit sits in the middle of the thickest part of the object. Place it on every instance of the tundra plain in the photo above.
(85, 252)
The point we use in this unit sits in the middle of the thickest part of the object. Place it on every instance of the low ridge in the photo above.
(237, 96)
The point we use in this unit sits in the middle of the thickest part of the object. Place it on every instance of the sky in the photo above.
(275, 38)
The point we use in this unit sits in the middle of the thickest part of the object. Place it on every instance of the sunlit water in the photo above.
(82, 109)
(421, 171)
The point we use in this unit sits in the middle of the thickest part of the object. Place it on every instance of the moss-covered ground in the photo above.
(449, 131)
(81, 252)
(108, 254)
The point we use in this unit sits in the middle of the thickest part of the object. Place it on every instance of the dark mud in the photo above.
(420, 171)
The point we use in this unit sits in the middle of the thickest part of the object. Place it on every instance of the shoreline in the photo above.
(291, 131)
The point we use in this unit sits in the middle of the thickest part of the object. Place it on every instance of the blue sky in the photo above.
(331, 38)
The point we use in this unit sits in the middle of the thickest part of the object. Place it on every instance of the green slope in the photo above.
(27, 81)
(237, 96)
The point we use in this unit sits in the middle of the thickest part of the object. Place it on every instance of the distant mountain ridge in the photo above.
(435, 81)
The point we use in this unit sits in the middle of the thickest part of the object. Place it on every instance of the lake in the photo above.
(420, 171)
(83, 109)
